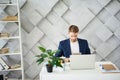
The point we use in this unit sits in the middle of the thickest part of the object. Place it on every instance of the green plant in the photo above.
(48, 55)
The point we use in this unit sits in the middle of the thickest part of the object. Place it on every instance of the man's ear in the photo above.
(68, 32)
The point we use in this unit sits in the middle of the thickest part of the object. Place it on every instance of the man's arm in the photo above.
(87, 48)
(60, 53)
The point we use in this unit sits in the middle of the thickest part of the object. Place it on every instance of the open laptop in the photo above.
(82, 61)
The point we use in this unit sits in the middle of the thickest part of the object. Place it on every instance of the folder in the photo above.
(108, 67)
(1, 67)
(3, 63)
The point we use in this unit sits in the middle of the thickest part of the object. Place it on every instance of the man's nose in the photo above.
(74, 37)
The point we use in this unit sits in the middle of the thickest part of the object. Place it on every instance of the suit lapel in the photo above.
(69, 48)
(80, 45)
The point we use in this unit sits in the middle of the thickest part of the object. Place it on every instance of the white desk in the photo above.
(93, 74)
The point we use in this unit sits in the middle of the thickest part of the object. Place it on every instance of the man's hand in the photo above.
(66, 60)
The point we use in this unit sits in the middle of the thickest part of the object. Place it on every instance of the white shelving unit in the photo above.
(12, 42)
(17, 37)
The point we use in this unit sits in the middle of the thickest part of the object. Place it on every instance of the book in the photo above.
(10, 18)
(15, 66)
(4, 34)
(4, 50)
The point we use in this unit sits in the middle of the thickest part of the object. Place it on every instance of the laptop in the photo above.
(82, 61)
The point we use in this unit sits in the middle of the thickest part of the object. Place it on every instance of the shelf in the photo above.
(10, 54)
(8, 4)
(13, 69)
(13, 79)
(17, 37)
(8, 21)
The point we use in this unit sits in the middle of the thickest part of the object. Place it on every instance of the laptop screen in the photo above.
(82, 61)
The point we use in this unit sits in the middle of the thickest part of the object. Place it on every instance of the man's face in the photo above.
(73, 36)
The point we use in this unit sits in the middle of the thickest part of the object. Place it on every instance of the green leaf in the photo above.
(42, 49)
(56, 51)
(58, 63)
(43, 55)
(48, 51)
(49, 56)
(50, 63)
(38, 56)
(39, 61)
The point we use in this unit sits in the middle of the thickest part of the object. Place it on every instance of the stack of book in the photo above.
(4, 50)
(108, 68)
(4, 65)
(4, 34)
(10, 18)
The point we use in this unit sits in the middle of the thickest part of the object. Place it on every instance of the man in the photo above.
(72, 45)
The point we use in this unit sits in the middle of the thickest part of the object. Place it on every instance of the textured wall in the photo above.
(45, 22)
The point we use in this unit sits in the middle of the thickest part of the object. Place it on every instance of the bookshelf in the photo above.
(10, 41)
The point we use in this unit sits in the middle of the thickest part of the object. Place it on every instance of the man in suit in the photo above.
(72, 45)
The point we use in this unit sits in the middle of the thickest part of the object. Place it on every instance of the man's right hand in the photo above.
(67, 60)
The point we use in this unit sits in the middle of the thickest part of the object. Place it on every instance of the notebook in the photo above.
(82, 61)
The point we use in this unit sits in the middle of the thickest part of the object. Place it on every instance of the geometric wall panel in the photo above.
(32, 71)
(113, 7)
(1, 27)
(36, 34)
(104, 2)
(46, 22)
(106, 48)
(25, 22)
(104, 15)
(11, 10)
(117, 33)
(30, 55)
(11, 28)
(2, 13)
(2, 43)
(103, 33)
(43, 7)
(35, 50)
(34, 16)
(22, 2)
(114, 56)
(118, 15)
(60, 8)
(94, 5)
(117, 62)
(113, 24)
(81, 19)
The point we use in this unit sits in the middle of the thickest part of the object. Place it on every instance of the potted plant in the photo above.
(48, 55)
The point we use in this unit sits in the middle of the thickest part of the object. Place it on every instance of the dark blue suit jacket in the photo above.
(65, 50)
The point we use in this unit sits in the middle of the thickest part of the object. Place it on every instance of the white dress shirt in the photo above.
(74, 47)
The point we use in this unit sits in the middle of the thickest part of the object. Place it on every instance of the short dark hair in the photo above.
(73, 28)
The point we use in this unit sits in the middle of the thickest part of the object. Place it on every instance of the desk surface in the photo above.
(92, 74)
